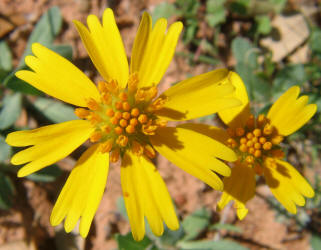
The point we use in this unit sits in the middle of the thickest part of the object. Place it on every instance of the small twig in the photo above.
(198, 51)
(250, 241)
(223, 219)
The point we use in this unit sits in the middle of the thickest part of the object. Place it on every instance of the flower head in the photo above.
(256, 140)
(125, 119)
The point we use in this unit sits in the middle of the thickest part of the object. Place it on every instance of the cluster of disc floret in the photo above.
(124, 118)
(256, 141)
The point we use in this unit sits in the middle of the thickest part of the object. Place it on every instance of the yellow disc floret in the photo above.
(124, 118)
(256, 141)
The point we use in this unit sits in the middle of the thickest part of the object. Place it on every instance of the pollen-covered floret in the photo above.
(124, 118)
(256, 141)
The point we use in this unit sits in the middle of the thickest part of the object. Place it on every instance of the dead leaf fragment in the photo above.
(291, 32)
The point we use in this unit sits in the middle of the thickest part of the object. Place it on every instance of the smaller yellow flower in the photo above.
(256, 140)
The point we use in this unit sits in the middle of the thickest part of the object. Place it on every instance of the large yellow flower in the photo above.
(257, 144)
(125, 120)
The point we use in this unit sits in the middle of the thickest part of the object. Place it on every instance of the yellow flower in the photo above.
(126, 120)
(257, 144)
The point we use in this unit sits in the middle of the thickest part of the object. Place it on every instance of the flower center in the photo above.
(256, 141)
(124, 118)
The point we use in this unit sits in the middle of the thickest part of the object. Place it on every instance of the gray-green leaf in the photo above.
(5, 150)
(47, 174)
(5, 57)
(195, 223)
(263, 24)
(54, 110)
(126, 242)
(244, 52)
(315, 38)
(227, 227)
(45, 31)
(215, 12)
(10, 111)
(315, 242)
(6, 191)
(63, 50)
(165, 10)
(14, 83)
(287, 77)
(211, 245)
(121, 207)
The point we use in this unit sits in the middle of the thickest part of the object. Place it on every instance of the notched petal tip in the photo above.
(83, 234)
(29, 59)
(224, 200)
(159, 232)
(174, 226)
(79, 25)
(10, 139)
(21, 73)
(146, 15)
(22, 173)
(295, 89)
(68, 227)
(16, 159)
(313, 109)
(138, 237)
(310, 193)
(219, 186)
(108, 11)
(233, 157)
(161, 21)
(178, 26)
(35, 47)
(92, 19)
(241, 213)
(54, 220)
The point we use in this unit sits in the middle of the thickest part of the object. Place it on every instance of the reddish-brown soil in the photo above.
(26, 225)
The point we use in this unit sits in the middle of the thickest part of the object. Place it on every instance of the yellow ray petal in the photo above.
(58, 77)
(152, 52)
(297, 121)
(146, 197)
(215, 133)
(297, 180)
(289, 113)
(274, 181)
(194, 153)
(160, 193)
(284, 100)
(286, 184)
(95, 192)
(140, 43)
(49, 148)
(105, 47)
(198, 96)
(239, 187)
(225, 199)
(45, 133)
(157, 52)
(237, 116)
(241, 210)
(155, 199)
(82, 192)
(135, 209)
